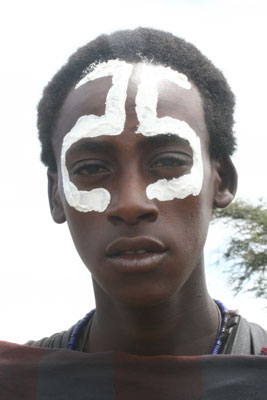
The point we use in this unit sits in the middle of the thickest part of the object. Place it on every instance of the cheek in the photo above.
(186, 222)
(85, 229)
(86, 235)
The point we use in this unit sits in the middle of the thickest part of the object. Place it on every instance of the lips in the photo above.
(134, 246)
(135, 254)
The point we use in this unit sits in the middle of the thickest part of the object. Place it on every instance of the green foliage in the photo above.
(247, 250)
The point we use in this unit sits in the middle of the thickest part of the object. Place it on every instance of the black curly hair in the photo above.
(133, 46)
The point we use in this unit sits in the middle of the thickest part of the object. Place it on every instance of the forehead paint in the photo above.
(88, 126)
(112, 123)
(151, 125)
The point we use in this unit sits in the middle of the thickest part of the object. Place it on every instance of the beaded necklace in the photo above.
(224, 328)
(78, 329)
(219, 340)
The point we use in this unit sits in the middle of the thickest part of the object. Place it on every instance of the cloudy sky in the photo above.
(44, 286)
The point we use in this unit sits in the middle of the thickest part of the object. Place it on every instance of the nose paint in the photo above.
(150, 125)
(88, 126)
(112, 123)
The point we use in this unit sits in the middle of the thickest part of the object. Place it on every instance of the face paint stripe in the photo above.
(88, 126)
(151, 125)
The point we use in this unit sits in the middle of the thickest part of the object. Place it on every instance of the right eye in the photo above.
(91, 169)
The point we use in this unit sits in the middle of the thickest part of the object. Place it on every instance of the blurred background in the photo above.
(45, 287)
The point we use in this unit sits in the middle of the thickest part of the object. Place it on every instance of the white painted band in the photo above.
(113, 121)
(88, 126)
(151, 125)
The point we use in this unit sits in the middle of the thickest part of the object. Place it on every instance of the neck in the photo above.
(184, 324)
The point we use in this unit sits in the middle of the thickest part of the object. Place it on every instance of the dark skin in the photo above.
(156, 302)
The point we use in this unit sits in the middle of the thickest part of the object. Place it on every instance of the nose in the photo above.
(130, 204)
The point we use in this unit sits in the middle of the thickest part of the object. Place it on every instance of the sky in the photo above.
(45, 288)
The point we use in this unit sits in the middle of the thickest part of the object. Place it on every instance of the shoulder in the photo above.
(77, 333)
(258, 337)
(247, 338)
(58, 340)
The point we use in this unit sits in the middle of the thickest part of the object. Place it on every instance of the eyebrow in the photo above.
(88, 144)
(92, 145)
(165, 139)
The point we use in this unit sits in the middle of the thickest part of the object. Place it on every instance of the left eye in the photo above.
(171, 165)
(170, 162)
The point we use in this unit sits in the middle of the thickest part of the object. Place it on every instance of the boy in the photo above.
(136, 132)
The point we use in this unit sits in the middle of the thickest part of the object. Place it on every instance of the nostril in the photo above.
(146, 216)
(132, 218)
(116, 218)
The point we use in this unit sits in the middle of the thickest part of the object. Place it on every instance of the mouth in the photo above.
(135, 254)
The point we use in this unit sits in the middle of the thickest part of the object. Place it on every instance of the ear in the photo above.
(226, 182)
(56, 206)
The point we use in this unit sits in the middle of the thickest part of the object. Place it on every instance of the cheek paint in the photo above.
(89, 126)
(151, 125)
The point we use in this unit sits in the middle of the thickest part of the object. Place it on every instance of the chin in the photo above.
(146, 298)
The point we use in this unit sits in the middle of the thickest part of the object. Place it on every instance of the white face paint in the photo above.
(151, 125)
(88, 126)
(113, 121)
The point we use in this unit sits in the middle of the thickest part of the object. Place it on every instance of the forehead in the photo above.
(173, 101)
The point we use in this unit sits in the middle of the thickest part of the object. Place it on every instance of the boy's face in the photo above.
(130, 188)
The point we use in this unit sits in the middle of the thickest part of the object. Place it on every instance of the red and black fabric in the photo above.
(35, 373)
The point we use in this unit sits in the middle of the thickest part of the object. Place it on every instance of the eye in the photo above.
(171, 160)
(90, 169)
(171, 165)
(168, 162)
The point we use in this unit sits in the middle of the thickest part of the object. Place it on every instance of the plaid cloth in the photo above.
(34, 373)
